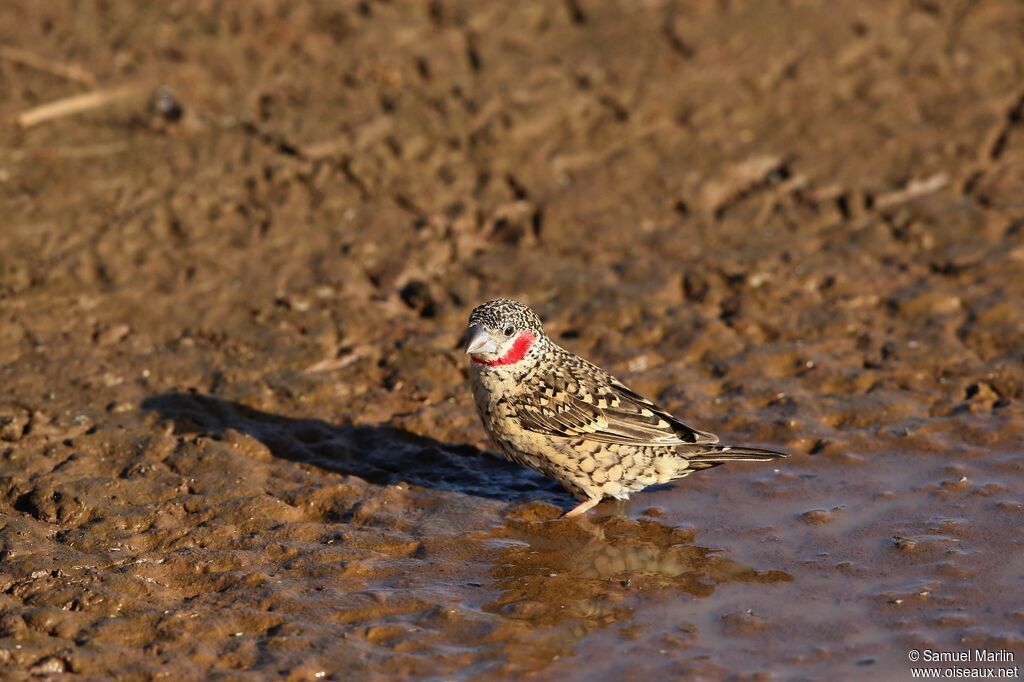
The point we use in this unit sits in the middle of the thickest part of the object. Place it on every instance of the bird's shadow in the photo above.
(382, 455)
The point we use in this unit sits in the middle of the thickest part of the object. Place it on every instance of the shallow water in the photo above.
(236, 437)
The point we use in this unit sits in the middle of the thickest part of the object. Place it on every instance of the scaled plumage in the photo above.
(553, 411)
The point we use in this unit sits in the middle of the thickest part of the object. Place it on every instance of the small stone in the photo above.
(167, 106)
(112, 334)
(905, 544)
(816, 516)
(14, 422)
(51, 665)
(981, 393)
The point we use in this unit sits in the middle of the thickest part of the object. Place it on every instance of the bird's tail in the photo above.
(717, 454)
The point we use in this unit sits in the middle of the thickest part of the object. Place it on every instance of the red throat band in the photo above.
(516, 353)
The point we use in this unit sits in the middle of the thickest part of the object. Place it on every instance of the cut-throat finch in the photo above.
(553, 411)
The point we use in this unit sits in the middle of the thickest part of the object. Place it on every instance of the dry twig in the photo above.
(75, 104)
(913, 190)
(71, 72)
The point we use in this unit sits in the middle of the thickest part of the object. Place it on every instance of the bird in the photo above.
(547, 408)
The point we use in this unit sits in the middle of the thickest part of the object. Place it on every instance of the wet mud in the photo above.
(236, 439)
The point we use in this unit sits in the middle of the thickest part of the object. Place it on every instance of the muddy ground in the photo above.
(237, 439)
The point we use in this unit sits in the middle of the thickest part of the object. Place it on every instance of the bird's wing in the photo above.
(580, 400)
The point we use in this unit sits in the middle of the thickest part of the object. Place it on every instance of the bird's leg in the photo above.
(581, 507)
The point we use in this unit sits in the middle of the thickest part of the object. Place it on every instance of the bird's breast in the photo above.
(494, 394)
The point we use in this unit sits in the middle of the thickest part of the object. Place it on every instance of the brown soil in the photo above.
(236, 433)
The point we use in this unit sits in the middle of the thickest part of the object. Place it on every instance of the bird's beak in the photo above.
(479, 341)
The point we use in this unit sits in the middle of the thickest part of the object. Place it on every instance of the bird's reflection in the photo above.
(598, 570)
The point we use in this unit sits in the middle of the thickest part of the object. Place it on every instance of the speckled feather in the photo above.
(557, 413)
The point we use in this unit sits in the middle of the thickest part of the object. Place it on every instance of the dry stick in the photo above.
(70, 72)
(913, 190)
(73, 105)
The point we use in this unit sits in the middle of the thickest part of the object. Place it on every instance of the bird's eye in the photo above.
(509, 331)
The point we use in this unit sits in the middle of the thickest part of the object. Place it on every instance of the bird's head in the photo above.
(504, 334)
